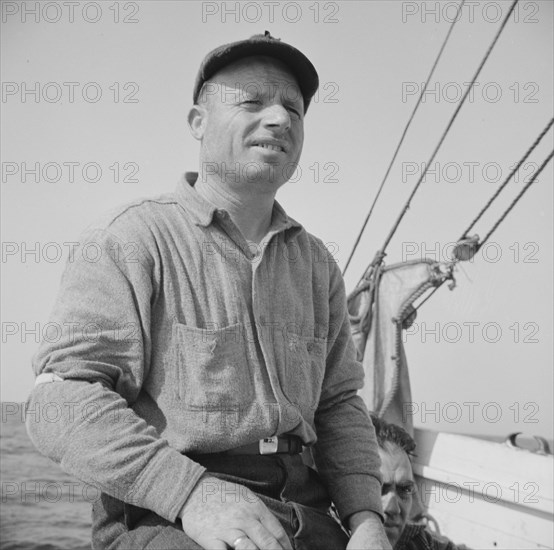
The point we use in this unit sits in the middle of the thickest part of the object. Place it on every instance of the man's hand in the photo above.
(218, 512)
(368, 532)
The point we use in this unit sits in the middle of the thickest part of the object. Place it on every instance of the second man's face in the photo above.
(397, 491)
(254, 128)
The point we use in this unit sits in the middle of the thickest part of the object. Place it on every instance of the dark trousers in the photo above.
(292, 491)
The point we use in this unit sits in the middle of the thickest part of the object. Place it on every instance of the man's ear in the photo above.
(197, 121)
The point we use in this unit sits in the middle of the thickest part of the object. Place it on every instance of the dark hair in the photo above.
(393, 434)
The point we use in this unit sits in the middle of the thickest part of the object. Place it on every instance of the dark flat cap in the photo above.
(261, 44)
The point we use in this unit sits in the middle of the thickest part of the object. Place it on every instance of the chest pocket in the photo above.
(304, 370)
(211, 368)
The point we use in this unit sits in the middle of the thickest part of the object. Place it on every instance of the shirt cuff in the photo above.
(165, 485)
(358, 493)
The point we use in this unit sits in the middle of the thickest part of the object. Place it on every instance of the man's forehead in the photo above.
(396, 465)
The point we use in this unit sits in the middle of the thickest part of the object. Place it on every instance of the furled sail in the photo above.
(380, 307)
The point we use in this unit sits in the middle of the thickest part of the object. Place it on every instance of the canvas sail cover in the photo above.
(380, 307)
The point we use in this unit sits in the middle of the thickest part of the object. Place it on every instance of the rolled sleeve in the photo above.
(102, 356)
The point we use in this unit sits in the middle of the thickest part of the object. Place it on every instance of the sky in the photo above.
(98, 97)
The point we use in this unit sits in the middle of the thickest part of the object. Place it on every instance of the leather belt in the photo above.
(283, 444)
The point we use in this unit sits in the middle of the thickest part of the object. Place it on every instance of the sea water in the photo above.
(41, 508)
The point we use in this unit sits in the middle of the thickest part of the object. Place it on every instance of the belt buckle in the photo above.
(269, 445)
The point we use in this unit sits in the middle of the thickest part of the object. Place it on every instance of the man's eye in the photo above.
(294, 111)
(406, 490)
(251, 102)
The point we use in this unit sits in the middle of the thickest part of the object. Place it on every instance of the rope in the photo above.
(510, 175)
(429, 295)
(452, 119)
(514, 202)
(402, 138)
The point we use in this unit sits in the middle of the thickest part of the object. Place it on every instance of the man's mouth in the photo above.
(269, 146)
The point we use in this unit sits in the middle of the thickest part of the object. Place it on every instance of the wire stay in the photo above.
(405, 131)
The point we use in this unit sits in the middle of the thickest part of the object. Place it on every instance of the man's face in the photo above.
(397, 491)
(254, 123)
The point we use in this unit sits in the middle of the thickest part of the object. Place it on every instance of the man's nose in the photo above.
(390, 503)
(277, 118)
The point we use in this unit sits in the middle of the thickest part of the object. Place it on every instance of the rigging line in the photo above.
(439, 285)
(510, 175)
(429, 295)
(419, 100)
(445, 133)
(514, 202)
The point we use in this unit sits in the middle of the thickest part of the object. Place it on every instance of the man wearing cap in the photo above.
(223, 356)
